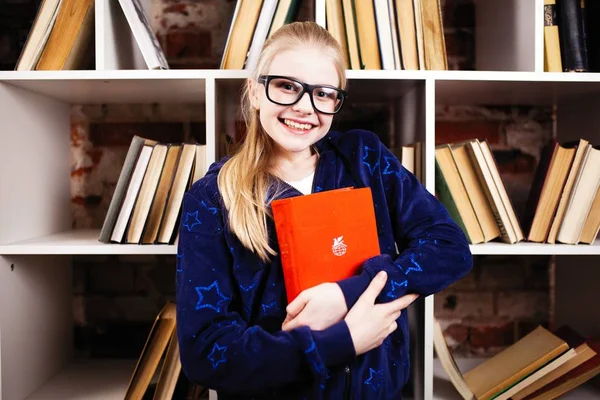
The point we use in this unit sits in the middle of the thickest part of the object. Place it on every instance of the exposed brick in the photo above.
(454, 131)
(488, 335)
(188, 43)
(457, 334)
(524, 305)
(450, 304)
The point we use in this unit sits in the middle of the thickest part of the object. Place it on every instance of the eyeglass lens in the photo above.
(286, 91)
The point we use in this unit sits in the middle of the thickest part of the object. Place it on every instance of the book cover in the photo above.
(325, 236)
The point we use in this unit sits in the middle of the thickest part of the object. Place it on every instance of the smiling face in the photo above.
(295, 128)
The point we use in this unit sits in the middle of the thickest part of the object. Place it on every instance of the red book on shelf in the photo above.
(325, 236)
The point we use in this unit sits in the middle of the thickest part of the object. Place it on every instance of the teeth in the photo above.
(296, 125)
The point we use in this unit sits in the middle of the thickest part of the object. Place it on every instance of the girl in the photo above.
(337, 340)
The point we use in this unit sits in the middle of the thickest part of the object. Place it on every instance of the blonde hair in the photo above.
(245, 179)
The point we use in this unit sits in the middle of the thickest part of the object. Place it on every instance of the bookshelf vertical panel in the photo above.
(36, 159)
(35, 322)
(211, 125)
(505, 35)
(116, 47)
(427, 327)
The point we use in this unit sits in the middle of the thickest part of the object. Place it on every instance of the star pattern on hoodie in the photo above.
(396, 285)
(217, 355)
(375, 379)
(191, 220)
(213, 291)
(389, 168)
(371, 167)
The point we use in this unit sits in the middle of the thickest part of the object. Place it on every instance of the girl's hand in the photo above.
(371, 323)
(318, 308)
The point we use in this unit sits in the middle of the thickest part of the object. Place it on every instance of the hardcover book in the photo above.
(325, 236)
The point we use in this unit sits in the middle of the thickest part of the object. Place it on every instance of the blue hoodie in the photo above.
(230, 305)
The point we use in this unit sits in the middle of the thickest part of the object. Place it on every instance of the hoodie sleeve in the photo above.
(218, 348)
(434, 251)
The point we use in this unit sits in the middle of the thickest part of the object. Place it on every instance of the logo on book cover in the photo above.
(339, 247)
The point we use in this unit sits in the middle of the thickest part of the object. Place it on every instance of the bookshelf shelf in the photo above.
(77, 242)
(444, 390)
(88, 380)
(530, 248)
(93, 87)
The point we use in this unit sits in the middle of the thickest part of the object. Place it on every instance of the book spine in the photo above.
(445, 197)
(551, 38)
(284, 238)
(571, 36)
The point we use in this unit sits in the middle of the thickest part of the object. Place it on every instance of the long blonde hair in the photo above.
(245, 179)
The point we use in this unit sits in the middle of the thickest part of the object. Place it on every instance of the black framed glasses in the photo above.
(287, 91)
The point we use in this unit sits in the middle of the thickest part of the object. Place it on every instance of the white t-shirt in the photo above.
(304, 185)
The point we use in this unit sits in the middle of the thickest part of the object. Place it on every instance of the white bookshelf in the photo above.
(37, 243)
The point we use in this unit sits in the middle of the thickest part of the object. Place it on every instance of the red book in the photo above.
(325, 236)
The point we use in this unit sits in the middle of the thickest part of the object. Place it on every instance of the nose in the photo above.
(303, 105)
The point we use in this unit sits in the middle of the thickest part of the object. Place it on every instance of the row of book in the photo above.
(468, 183)
(543, 365)
(374, 34)
(571, 36)
(62, 36)
(389, 34)
(146, 204)
(564, 201)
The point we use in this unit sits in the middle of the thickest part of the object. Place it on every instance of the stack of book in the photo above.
(146, 204)
(469, 185)
(389, 34)
(542, 365)
(564, 201)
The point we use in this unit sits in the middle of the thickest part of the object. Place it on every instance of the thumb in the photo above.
(372, 291)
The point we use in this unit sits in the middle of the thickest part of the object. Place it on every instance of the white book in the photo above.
(38, 35)
(260, 33)
(394, 33)
(131, 195)
(143, 34)
(384, 32)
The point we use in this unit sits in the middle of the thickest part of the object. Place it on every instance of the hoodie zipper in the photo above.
(348, 383)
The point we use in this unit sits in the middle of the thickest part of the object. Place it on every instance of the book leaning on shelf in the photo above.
(468, 183)
(564, 200)
(324, 236)
(62, 36)
(146, 203)
(541, 365)
(161, 354)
